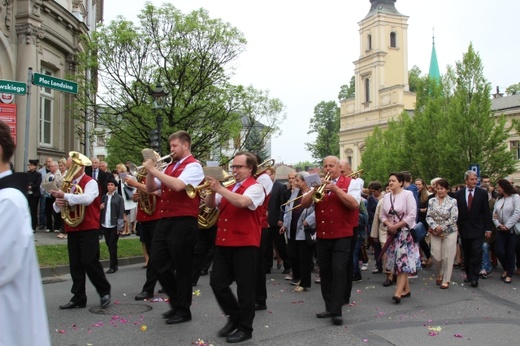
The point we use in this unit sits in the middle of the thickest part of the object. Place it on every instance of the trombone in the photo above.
(136, 170)
(317, 195)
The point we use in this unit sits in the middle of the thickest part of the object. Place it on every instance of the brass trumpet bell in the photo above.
(264, 166)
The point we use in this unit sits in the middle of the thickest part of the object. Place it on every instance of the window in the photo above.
(349, 159)
(46, 113)
(515, 149)
(367, 90)
(101, 140)
(393, 39)
(369, 42)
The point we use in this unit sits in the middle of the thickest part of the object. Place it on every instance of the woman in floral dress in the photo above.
(398, 216)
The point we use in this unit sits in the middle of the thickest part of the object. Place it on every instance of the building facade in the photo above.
(44, 36)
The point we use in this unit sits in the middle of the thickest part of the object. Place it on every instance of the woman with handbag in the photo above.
(300, 227)
(442, 221)
(398, 216)
(506, 215)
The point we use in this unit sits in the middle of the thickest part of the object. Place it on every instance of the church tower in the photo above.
(381, 78)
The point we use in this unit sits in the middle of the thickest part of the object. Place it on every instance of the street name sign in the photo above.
(11, 87)
(55, 83)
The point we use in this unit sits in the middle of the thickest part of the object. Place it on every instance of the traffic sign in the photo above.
(55, 83)
(11, 87)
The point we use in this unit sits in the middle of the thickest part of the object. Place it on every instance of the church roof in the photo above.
(434, 65)
(382, 6)
(505, 103)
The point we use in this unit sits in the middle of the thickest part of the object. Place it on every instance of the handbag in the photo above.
(310, 235)
(418, 232)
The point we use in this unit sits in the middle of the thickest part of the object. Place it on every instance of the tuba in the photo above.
(74, 215)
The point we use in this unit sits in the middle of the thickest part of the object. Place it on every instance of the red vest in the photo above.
(239, 226)
(177, 203)
(142, 216)
(92, 217)
(333, 219)
(263, 207)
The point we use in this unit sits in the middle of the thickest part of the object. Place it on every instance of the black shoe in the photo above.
(72, 305)
(474, 283)
(111, 270)
(105, 300)
(387, 283)
(396, 299)
(286, 271)
(161, 291)
(169, 313)
(143, 295)
(260, 307)
(409, 294)
(229, 328)
(324, 314)
(337, 320)
(467, 280)
(357, 278)
(238, 336)
(176, 319)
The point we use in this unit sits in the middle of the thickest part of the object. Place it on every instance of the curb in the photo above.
(49, 272)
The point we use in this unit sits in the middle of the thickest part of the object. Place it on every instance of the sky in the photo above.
(303, 51)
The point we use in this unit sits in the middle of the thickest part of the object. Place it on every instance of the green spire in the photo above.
(434, 65)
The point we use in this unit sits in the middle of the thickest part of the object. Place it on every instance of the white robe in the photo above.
(23, 316)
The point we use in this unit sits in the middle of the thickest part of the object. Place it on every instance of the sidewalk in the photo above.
(43, 238)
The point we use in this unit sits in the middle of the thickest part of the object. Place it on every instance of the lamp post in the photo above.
(159, 98)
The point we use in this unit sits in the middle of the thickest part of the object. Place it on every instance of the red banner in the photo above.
(8, 116)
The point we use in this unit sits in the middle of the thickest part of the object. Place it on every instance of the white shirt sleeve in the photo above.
(192, 174)
(87, 197)
(257, 195)
(354, 189)
(266, 183)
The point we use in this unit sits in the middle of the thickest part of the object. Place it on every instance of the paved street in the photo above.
(461, 315)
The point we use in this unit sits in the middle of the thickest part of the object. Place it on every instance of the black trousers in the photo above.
(278, 240)
(301, 259)
(52, 218)
(33, 207)
(472, 249)
(172, 255)
(261, 289)
(333, 256)
(111, 239)
(350, 267)
(83, 248)
(147, 232)
(236, 264)
(204, 252)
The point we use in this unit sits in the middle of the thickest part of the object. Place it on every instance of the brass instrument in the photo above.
(73, 216)
(355, 175)
(263, 167)
(318, 194)
(147, 202)
(203, 189)
(207, 216)
(291, 201)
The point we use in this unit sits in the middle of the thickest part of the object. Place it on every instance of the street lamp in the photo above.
(159, 99)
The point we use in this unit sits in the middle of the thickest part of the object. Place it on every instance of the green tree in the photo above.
(452, 127)
(348, 91)
(414, 78)
(513, 89)
(192, 56)
(325, 123)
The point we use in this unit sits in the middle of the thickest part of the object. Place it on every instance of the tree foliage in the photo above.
(325, 123)
(452, 128)
(191, 56)
(513, 89)
(348, 91)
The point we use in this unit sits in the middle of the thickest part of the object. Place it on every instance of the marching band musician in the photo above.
(83, 241)
(237, 246)
(336, 216)
(177, 230)
(261, 290)
(148, 225)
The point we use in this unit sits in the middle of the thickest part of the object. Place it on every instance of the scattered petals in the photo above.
(196, 293)
(61, 331)
(458, 335)
(143, 328)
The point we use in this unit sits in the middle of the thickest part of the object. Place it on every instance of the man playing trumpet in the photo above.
(237, 246)
(177, 231)
(336, 216)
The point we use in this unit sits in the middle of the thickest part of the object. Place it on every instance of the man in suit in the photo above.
(112, 221)
(99, 175)
(474, 222)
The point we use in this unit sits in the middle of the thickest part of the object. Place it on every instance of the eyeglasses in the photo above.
(236, 166)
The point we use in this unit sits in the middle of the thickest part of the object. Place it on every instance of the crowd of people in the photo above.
(312, 224)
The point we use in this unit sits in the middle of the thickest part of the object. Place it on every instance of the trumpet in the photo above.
(139, 170)
(319, 191)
